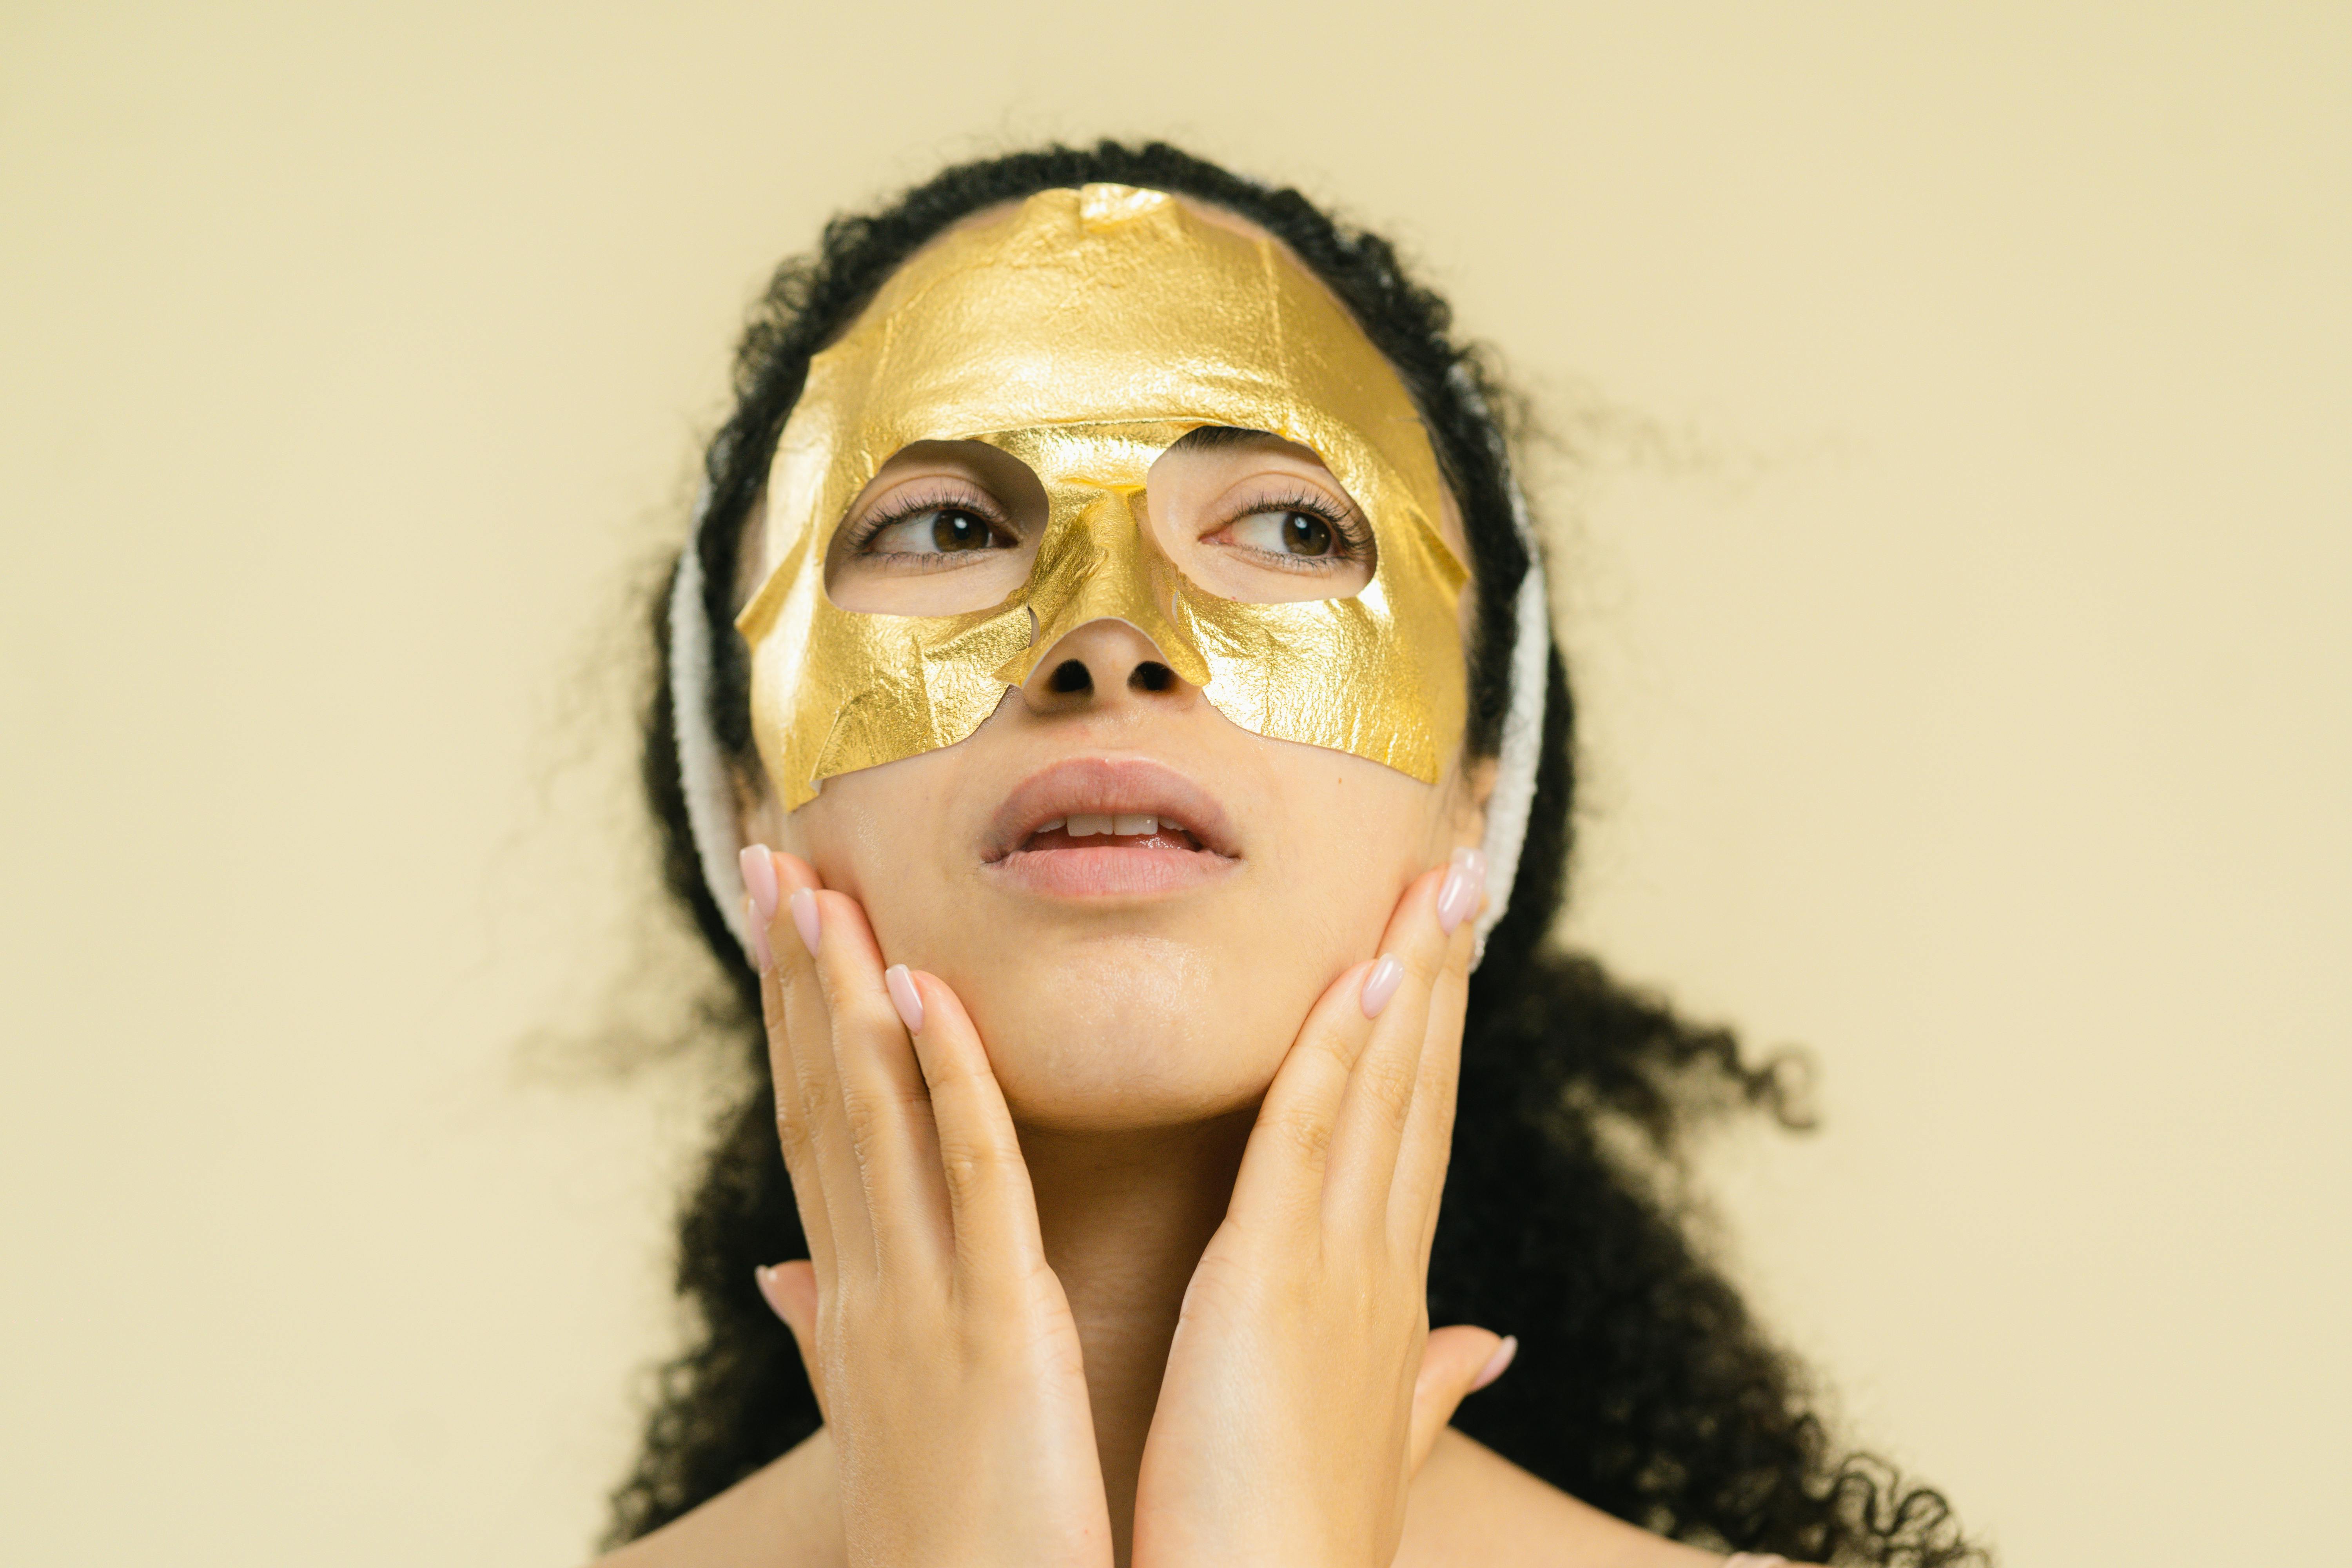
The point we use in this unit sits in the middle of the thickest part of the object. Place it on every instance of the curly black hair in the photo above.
(1643, 1385)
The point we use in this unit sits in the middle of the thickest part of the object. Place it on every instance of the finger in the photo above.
(1280, 1188)
(992, 1207)
(793, 1134)
(810, 1125)
(1384, 1088)
(886, 1105)
(868, 1100)
(791, 1292)
(1455, 1362)
(1427, 1142)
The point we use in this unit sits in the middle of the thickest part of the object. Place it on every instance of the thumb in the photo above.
(1455, 1363)
(791, 1292)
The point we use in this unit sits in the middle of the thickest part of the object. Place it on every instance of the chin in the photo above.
(1124, 1035)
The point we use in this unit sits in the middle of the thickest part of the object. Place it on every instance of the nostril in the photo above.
(1150, 676)
(1070, 675)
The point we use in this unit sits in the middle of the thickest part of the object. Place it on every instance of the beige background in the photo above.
(1959, 555)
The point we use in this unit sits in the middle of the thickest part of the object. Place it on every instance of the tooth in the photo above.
(1049, 827)
(1087, 823)
(1137, 827)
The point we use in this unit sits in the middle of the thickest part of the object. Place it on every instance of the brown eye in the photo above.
(1304, 533)
(952, 530)
(935, 531)
(1286, 532)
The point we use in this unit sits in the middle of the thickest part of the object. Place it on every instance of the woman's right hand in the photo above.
(938, 1342)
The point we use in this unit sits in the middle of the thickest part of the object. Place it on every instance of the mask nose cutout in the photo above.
(1100, 659)
(1071, 677)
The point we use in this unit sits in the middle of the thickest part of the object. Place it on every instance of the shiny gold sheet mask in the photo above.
(1084, 334)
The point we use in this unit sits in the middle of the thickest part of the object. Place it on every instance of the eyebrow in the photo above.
(1210, 437)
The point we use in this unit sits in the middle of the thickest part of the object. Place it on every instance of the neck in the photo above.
(1125, 1218)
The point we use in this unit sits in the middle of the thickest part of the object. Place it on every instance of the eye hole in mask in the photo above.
(1251, 517)
(945, 528)
(950, 527)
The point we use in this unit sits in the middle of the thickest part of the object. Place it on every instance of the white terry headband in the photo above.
(710, 800)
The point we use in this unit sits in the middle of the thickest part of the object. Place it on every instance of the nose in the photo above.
(1103, 663)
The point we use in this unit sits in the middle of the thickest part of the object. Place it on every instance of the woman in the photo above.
(1111, 734)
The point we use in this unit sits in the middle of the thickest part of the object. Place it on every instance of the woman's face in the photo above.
(1136, 898)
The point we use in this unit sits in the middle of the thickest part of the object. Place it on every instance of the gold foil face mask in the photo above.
(1084, 335)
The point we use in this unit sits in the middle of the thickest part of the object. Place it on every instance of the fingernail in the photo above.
(760, 880)
(764, 1276)
(1381, 984)
(805, 919)
(905, 997)
(763, 959)
(1499, 1363)
(1459, 898)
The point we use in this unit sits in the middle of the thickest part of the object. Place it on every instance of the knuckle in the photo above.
(862, 1104)
(792, 1131)
(971, 1165)
(874, 1105)
(800, 1154)
(867, 1138)
(1388, 1082)
(1306, 1133)
(951, 1090)
(1320, 1062)
(1442, 1095)
(1339, 1050)
(945, 1071)
(849, 1004)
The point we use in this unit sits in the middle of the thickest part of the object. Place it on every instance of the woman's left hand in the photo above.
(1304, 1387)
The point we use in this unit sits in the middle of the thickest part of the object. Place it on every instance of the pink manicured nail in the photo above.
(905, 997)
(761, 956)
(764, 1276)
(1499, 1363)
(1381, 984)
(1458, 899)
(760, 880)
(805, 919)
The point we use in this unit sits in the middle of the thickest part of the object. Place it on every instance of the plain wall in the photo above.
(1952, 514)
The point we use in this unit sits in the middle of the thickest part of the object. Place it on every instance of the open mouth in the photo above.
(1111, 830)
(1096, 825)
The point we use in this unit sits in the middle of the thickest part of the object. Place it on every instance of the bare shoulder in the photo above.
(1470, 1506)
(778, 1517)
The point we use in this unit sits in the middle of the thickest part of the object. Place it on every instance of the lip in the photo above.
(1115, 786)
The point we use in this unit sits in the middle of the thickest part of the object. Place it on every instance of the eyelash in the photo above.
(1346, 524)
(949, 498)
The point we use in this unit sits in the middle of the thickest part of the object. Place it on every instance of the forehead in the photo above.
(1100, 306)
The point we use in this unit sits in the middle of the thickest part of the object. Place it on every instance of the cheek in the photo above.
(878, 835)
(1357, 834)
